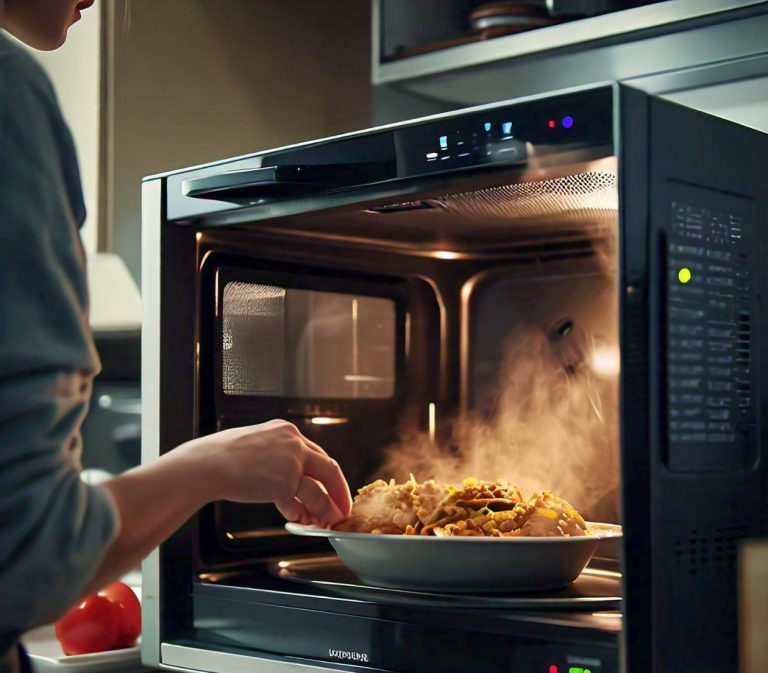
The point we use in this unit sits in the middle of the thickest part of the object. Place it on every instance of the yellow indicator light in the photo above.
(684, 275)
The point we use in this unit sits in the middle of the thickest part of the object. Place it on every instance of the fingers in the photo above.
(292, 428)
(324, 469)
(313, 446)
(323, 494)
(294, 510)
(329, 474)
(317, 503)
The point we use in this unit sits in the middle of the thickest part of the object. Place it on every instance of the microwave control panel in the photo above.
(496, 136)
(710, 325)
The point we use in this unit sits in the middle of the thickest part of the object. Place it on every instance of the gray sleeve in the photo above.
(54, 529)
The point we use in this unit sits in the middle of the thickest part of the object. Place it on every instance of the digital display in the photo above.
(505, 135)
(485, 142)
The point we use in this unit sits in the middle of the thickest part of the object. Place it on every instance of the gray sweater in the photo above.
(54, 529)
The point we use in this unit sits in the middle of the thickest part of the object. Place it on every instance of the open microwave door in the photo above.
(693, 195)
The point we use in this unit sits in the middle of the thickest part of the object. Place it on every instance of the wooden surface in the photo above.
(753, 601)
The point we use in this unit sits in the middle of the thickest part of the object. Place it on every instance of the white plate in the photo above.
(47, 656)
(493, 565)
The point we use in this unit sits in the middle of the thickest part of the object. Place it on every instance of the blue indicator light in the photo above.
(487, 126)
(567, 122)
(444, 142)
(506, 127)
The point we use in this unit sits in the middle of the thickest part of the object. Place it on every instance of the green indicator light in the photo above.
(684, 275)
(576, 669)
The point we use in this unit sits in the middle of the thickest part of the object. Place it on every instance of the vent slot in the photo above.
(582, 197)
(711, 553)
(743, 338)
(700, 555)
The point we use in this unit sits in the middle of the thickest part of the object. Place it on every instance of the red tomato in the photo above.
(91, 626)
(130, 609)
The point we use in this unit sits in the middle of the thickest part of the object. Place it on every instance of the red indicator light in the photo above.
(553, 669)
(551, 123)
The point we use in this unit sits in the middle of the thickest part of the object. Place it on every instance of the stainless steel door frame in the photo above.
(151, 218)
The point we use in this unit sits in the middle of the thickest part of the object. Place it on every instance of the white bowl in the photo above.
(464, 564)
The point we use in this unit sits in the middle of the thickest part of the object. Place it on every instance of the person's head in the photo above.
(41, 24)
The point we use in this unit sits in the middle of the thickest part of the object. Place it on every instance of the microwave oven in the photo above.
(564, 290)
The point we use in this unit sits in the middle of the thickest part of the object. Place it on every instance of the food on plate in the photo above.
(108, 620)
(474, 509)
(498, 495)
(388, 507)
(552, 516)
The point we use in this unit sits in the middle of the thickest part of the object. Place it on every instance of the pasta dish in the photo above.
(476, 508)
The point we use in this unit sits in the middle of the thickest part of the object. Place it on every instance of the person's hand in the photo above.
(273, 462)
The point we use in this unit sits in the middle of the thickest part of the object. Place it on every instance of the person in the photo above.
(61, 538)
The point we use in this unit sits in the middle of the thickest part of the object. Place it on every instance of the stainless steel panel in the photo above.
(744, 102)
(151, 194)
(713, 74)
(194, 659)
(701, 55)
(624, 24)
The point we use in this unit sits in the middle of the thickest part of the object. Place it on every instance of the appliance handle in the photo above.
(255, 183)
(251, 185)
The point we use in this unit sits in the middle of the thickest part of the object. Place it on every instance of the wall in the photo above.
(196, 80)
(75, 72)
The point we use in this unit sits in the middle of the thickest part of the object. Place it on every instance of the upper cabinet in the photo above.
(406, 30)
(433, 55)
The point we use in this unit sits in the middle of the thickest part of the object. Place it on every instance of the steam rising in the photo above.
(552, 420)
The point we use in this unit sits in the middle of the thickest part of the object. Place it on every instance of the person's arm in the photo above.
(59, 537)
(272, 462)
(53, 527)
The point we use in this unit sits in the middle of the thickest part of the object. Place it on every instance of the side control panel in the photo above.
(710, 327)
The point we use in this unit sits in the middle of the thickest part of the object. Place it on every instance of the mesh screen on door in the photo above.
(286, 342)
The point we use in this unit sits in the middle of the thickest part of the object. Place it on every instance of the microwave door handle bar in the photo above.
(253, 184)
